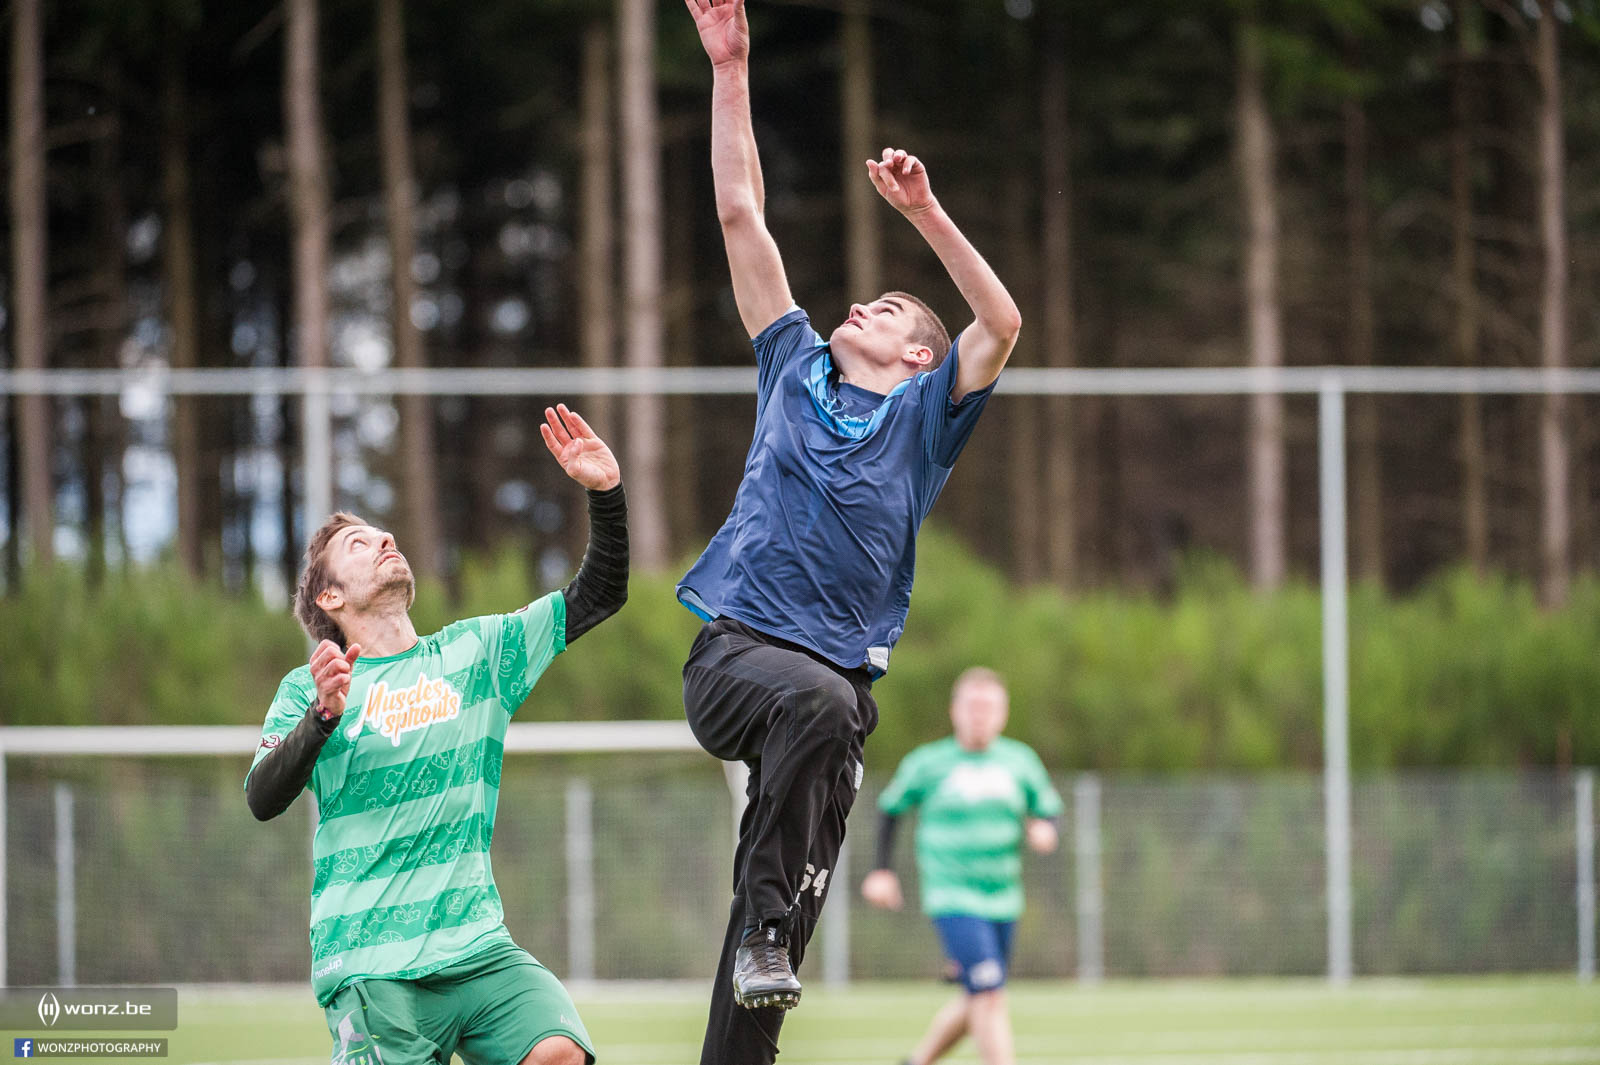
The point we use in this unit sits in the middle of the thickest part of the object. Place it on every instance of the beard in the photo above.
(403, 586)
(390, 591)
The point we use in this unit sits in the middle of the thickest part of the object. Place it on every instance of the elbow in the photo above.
(615, 601)
(1008, 327)
(260, 810)
(738, 214)
(261, 806)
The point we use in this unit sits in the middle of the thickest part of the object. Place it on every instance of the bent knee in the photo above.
(830, 706)
(556, 1050)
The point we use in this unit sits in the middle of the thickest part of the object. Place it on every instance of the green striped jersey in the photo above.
(973, 805)
(406, 790)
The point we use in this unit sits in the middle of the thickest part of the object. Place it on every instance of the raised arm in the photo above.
(760, 287)
(985, 344)
(601, 585)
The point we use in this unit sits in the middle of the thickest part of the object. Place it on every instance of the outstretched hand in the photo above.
(581, 453)
(723, 29)
(902, 180)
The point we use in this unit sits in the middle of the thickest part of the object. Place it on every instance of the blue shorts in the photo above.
(980, 949)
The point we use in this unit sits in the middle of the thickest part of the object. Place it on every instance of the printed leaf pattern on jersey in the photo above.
(402, 882)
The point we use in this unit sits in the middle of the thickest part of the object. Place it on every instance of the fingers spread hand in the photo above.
(557, 428)
(578, 425)
(551, 442)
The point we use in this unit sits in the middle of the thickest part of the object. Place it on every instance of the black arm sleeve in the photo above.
(278, 779)
(887, 823)
(601, 586)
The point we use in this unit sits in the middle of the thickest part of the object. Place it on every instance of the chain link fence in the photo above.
(124, 870)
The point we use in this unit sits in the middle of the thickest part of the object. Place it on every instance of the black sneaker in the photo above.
(761, 972)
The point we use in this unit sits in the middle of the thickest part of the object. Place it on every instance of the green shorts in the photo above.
(491, 1009)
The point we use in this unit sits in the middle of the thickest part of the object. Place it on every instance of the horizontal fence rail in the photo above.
(718, 380)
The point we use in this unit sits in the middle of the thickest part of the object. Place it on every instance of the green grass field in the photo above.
(1457, 1021)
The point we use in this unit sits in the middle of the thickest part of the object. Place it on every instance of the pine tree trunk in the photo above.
(30, 270)
(1263, 315)
(288, 449)
(863, 243)
(1463, 272)
(420, 488)
(644, 450)
(1367, 478)
(1554, 454)
(13, 481)
(1060, 487)
(684, 439)
(597, 234)
(1022, 413)
(104, 437)
(183, 307)
(308, 214)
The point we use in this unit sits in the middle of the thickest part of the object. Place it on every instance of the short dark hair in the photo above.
(926, 329)
(317, 577)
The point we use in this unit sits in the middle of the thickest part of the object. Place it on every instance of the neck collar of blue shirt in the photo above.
(826, 401)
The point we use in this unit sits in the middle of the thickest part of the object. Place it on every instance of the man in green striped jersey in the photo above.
(400, 738)
(980, 796)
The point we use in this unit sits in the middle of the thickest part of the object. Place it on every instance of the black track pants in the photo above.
(799, 723)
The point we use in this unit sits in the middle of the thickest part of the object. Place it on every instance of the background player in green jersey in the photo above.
(980, 797)
(400, 738)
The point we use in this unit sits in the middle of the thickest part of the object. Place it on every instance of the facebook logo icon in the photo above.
(24, 1048)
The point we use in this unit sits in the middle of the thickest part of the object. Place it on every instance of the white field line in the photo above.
(851, 1053)
(1469, 1035)
(877, 1051)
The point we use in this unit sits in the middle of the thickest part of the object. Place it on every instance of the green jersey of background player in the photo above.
(401, 738)
(980, 796)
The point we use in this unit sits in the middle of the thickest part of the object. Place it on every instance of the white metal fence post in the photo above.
(1335, 678)
(737, 774)
(316, 434)
(3, 881)
(66, 891)
(836, 921)
(580, 879)
(1091, 893)
(1585, 832)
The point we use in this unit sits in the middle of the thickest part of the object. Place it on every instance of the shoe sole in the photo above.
(783, 1000)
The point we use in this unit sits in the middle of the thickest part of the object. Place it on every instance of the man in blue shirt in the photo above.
(805, 589)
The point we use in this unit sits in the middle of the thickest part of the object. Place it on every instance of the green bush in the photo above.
(1467, 671)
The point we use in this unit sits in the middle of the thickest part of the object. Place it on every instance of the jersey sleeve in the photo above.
(522, 645)
(946, 425)
(289, 705)
(1043, 799)
(907, 787)
(779, 345)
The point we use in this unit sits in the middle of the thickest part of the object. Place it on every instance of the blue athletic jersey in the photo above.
(820, 546)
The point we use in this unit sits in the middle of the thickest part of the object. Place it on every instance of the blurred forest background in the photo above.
(1162, 183)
